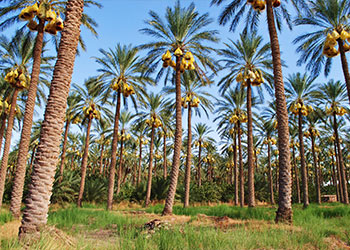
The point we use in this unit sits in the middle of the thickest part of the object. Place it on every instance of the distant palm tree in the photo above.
(183, 32)
(37, 202)
(120, 70)
(327, 19)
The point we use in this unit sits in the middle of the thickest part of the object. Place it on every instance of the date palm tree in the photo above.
(37, 202)
(182, 33)
(90, 107)
(120, 70)
(300, 90)
(247, 61)
(328, 18)
(334, 94)
(235, 11)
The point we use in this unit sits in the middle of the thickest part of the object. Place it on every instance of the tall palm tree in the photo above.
(90, 107)
(300, 90)
(37, 202)
(329, 20)
(234, 12)
(151, 108)
(247, 59)
(120, 70)
(182, 33)
(231, 119)
(167, 132)
(139, 129)
(16, 57)
(333, 94)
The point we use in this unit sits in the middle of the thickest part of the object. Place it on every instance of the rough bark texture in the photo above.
(317, 178)
(168, 208)
(345, 67)
(241, 170)
(284, 212)
(344, 186)
(40, 189)
(304, 175)
(120, 168)
(84, 163)
(251, 191)
(8, 135)
(188, 159)
(149, 181)
(165, 167)
(111, 178)
(272, 199)
(235, 166)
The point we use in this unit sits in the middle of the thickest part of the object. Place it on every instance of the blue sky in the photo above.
(120, 21)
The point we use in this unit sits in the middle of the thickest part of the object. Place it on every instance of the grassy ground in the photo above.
(204, 227)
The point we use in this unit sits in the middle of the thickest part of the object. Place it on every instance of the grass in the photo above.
(92, 227)
(5, 216)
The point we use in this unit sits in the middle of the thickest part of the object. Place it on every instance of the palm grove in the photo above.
(295, 149)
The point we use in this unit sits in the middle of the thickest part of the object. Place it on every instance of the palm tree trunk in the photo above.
(304, 176)
(101, 158)
(345, 67)
(120, 169)
(2, 128)
(235, 166)
(317, 178)
(17, 190)
(297, 184)
(341, 163)
(8, 135)
(199, 166)
(284, 212)
(165, 167)
(339, 184)
(37, 202)
(241, 172)
(251, 191)
(335, 179)
(149, 182)
(168, 208)
(32, 160)
(84, 163)
(272, 199)
(63, 155)
(111, 178)
(140, 162)
(188, 159)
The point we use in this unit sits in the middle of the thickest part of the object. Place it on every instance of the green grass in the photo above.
(310, 228)
(5, 216)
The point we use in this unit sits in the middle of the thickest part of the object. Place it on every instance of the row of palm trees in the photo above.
(185, 34)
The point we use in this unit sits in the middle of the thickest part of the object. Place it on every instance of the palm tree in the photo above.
(333, 94)
(246, 61)
(37, 202)
(329, 20)
(152, 107)
(182, 33)
(300, 90)
(139, 130)
(235, 11)
(232, 116)
(90, 108)
(167, 127)
(16, 59)
(120, 70)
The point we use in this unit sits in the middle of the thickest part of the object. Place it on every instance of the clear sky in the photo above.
(120, 21)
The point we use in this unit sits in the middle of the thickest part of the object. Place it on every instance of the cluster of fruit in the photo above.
(76, 120)
(238, 117)
(126, 89)
(270, 140)
(329, 48)
(158, 156)
(4, 106)
(17, 79)
(331, 153)
(124, 136)
(191, 100)
(338, 110)
(91, 111)
(154, 121)
(254, 76)
(304, 109)
(143, 140)
(259, 5)
(44, 12)
(187, 62)
(294, 144)
(203, 144)
(209, 159)
(231, 148)
(311, 131)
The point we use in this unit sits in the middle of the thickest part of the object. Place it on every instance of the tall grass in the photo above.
(5, 216)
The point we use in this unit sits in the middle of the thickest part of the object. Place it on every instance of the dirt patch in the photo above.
(10, 229)
(172, 219)
(334, 243)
